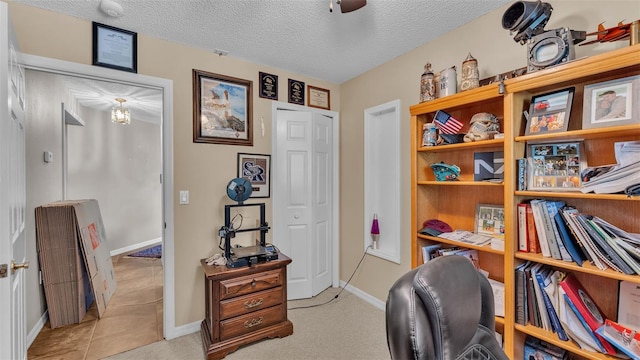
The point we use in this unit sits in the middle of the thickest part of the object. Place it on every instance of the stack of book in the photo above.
(557, 302)
(562, 232)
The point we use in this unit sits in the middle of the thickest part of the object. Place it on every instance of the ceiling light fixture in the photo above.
(119, 114)
(111, 8)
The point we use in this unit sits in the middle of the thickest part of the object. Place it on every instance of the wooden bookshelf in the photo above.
(455, 202)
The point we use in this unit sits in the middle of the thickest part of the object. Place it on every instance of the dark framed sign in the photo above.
(222, 109)
(296, 92)
(257, 169)
(115, 48)
(268, 86)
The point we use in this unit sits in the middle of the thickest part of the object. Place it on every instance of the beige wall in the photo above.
(203, 168)
(496, 52)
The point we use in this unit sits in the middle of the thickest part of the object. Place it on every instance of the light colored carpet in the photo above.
(346, 328)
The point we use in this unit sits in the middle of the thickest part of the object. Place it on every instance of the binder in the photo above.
(544, 279)
(569, 241)
(552, 209)
(537, 217)
(586, 307)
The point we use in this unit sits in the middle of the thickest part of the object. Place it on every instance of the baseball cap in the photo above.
(435, 227)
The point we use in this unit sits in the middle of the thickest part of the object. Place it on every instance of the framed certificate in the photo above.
(318, 98)
(115, 48)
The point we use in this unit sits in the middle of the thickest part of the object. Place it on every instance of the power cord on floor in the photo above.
(341, 290)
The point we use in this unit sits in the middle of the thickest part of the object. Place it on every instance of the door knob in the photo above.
(14, 266)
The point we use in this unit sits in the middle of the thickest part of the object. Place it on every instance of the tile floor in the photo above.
(133, 317)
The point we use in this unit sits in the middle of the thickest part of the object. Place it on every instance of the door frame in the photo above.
(278, 105)
(61, 67)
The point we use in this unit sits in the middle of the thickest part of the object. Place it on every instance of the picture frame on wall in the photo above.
(115, 48)
(296, 92)
(550, 112)
(268, 86)
(318, 97)
(490, 220)
(257, 169)
(611, 103)
(222, 109)
(555, 166)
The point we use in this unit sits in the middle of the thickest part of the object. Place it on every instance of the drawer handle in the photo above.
(253, 322)
(253, 303)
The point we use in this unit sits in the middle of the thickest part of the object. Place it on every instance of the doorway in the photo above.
(305, 201)
(165, 175)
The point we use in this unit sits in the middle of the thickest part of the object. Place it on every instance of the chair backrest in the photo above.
(442, 310)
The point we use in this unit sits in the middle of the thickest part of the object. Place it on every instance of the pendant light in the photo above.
(119, 114)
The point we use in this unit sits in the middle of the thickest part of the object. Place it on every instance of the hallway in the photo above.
(133, 317)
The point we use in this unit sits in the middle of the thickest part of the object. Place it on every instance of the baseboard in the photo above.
(183, 330)
(136, 246)
(364, 296)
(33, 334)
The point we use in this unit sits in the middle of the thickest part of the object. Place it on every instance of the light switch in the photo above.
(184, 197)
(48, 156)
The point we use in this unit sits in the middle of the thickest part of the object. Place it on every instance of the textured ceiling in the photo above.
(300, 36)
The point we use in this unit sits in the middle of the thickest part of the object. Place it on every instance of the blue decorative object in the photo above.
(445, 172)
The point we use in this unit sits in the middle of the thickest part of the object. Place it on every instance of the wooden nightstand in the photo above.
(244, 305)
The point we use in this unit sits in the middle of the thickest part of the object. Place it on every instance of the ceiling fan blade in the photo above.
(351, 5)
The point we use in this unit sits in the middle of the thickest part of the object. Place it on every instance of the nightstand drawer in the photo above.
(251, 322)
(252, 302)
(249, 284)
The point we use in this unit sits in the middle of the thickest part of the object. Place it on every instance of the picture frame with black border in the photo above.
(268, 86)
(490, 220)
(114, 48)
(257, 169)
(611, 103)
(550, 112)
(296, 92)
(222, 109)
(555, 166)
(318, 97)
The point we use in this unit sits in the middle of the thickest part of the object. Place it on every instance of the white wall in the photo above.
(120, 166)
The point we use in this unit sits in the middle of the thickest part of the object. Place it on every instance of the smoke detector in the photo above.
(111, 8)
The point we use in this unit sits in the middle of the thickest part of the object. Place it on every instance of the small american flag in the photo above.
(446, 123)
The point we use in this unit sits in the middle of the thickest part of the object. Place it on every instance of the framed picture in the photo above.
(490, 220)
(296, 92)
(550, 112)
(268, 86)
(257, 169)
(115, 48)
(611, 103)
(318, 98)
(555, 167)
(222, 108)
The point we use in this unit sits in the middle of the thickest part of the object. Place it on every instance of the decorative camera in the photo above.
(544, 47)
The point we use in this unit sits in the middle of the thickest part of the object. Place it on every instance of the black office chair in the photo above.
(442, 310)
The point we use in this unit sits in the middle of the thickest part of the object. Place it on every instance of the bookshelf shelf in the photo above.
(552, 338)
(572, 266)
(455, 202)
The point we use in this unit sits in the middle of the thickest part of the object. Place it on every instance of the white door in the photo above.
(12, 195)
(303, 205)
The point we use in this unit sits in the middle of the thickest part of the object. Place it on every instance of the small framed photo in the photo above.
(318, 98)
(490, 220)
(550, 112)
(611, 103)
(115, 48)
(268, 86)
(257, 169)
(222, 109)
(296, 92)
(555, 167)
